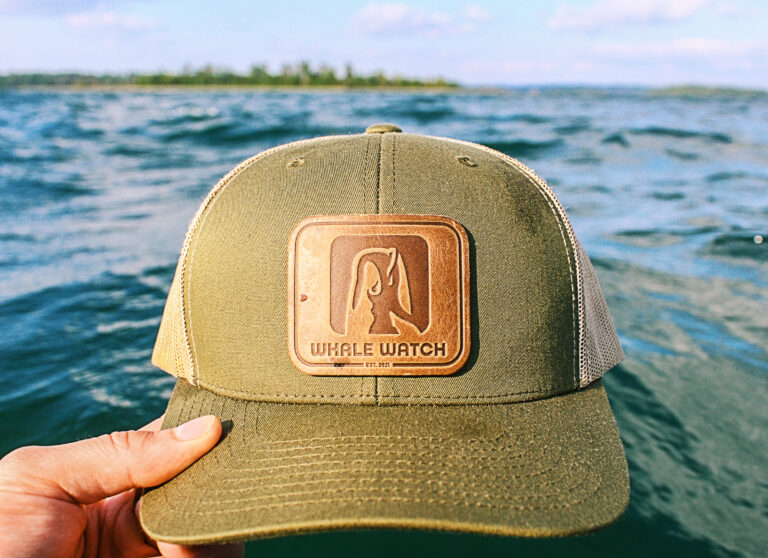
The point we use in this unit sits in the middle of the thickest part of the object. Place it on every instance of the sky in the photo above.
(582, 42)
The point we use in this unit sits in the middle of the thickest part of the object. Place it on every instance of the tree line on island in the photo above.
(297, 75)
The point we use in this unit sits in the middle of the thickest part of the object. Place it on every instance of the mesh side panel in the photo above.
(170, 352)
(599, 348)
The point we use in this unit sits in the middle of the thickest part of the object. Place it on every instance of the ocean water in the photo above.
(669, 196)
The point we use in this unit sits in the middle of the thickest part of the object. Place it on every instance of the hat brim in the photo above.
(551, 467)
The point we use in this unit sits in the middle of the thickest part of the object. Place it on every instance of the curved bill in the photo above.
(551, 467)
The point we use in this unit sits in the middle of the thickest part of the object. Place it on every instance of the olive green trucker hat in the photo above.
(396, 331)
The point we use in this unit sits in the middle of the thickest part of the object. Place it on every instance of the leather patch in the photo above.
(378, 295)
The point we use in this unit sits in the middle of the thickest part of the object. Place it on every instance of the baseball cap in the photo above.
(396, 331)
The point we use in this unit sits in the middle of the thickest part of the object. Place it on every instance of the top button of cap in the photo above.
(382, 129)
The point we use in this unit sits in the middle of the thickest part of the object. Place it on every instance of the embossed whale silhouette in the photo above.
(390, 294)
(391, 272)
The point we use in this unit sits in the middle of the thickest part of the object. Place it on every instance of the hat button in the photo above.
(382, 129)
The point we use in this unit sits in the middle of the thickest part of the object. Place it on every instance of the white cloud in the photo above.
(47, 7)
(477, 13)
(687, 56)
(735, 9)
(110, 21)
(694, 48)
(607, 14)
(401, 19)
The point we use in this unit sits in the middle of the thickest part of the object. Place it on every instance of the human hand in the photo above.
(78, 499)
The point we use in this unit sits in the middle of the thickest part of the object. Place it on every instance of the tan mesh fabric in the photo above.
(599, 348)
(171, 353)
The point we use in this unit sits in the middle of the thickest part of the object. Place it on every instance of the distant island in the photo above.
(298, 75)
(703, 91)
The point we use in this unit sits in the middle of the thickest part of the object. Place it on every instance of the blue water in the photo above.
(669, 196)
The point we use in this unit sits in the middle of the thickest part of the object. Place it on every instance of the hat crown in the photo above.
(538, 321)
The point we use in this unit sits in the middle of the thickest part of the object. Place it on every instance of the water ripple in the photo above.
(669, 196)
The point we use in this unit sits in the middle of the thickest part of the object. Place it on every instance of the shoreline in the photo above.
(680, 91)
(133, 88)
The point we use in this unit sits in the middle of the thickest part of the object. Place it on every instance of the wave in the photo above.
(717, 137)
(731, 175)
(24, 192)
(46, 154)
(421, 109)
(63, 128)
(572, 128)
(525, 148)
(692, 231)
(72, 343)
(658, 237)
(742, 245)
(190, 117)
(682, 155)
(420, 115)
(130, 150)
(529, 118)
(668, 195)
(214, 132)
(15, 237)
(231, 133)
(616, 139)
(585, 157)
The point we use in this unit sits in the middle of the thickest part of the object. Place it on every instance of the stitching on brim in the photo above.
(394, 480)
(390, 498)
(482, 460)
(470, 457)
(336, 455)
(559, 458)
(407, 461)
(233, 459)
(530, 497)
(333, 439)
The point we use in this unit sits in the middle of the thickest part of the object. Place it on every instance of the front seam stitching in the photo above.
(378, 190)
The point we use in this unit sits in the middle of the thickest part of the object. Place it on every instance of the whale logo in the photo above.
(378, 295)
(391, 272)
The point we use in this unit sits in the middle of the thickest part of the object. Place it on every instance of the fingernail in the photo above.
(194, 429)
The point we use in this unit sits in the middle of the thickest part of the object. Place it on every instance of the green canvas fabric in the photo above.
(511, 444)
(545, 467)
(523, 309)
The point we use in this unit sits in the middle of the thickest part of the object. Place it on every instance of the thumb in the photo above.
(94, 469)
